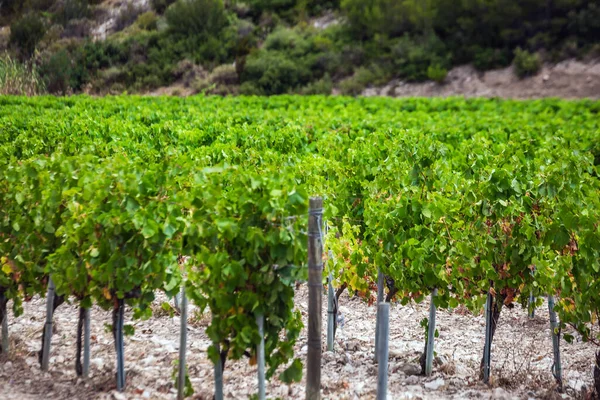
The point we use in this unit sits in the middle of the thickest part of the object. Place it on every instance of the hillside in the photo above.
(266, 47)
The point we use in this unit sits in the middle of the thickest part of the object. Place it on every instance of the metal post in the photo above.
(5, 343)
(431, 335)
(86, 343)
(262, 393)
(330, 314)
(531, 305)
(556, 367)
(379, 300)
(315, 294)
(48, 326)
(120, 348)
(218, 376)
(182, 345)
(487, 348)
(383, 350)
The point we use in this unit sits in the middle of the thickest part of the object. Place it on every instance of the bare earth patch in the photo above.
(521, 356)
(569, 79)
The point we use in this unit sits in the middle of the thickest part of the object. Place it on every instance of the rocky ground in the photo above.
(522, 357)
(570, 79)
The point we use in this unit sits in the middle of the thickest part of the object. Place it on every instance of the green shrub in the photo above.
(161, 5)
(354, 85)
(274, 73)
(412, 56)
(385, 17)
(526, 63)
(26, 33)
(437, 73)
(57, 72)
(321, 86)
(224, 75)
(204, 18)
(71, 9)
(287, 40)
(251, 89)
(484, 59)
(17, 78)
(128, 15)
(147, 21)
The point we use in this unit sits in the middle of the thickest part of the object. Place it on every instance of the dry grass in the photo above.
(17, 78)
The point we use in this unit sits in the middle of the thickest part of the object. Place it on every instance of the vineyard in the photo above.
(112, 203)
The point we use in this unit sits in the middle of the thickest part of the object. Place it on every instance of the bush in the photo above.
(437, 73)
(224, 75)
(412, 57)
(26, 33)
(354, 85)
(274, 73)
(147, 21)
(72, 9)
(161, 5)
(322, 86)
(384, 17)
(57, 72)
(526, 63)
(18, 79)
(486, 58)
(204, 18)
(251, 89)
(127, 16)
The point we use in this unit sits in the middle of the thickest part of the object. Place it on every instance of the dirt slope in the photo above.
(569, 79)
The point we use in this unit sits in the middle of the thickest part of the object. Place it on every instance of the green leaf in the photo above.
(293, 373)
(426, 212)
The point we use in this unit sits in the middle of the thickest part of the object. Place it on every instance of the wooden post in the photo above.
(383, 350)
(430, 335)
(182, 344)
(556, 367)
(487, 347)
(260, 355)
(315, 295)
(86, 344)
(48, 326)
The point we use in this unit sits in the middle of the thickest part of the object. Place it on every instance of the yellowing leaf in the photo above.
(106, 293)
(6, 268)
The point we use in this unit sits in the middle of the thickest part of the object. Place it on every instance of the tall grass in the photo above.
(17, 78)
